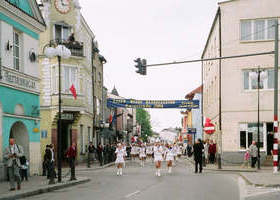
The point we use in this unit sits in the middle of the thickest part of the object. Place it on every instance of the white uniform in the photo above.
(149, 150)
(158, 151)
(120, 155)
(169, 154)
(133, 150)
(142, 153)
(179, 150)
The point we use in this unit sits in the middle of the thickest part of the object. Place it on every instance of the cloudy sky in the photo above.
(160, 31)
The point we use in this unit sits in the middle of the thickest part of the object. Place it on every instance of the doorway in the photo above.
(20, 134)
(66, 137)
(269, 138)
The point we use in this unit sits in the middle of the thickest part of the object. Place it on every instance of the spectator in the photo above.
(246, 159)
(71, 155)
(12, 156)
(91, 152)
(100, 153)
(212, 152)
(24, 167)
(253, 152)
(198, 151)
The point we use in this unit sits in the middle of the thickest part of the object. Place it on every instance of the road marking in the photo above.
(132, 194)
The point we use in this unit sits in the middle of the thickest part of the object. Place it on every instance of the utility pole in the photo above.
(275, 146)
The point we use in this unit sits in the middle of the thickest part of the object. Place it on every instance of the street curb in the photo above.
(96, 168)
(257, 184)
(44, 189)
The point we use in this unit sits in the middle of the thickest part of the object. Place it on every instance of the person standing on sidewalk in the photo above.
(254, 153)
(91, 151)
(246, 159)
(100, 153)
(212, 152)
(197, 152)
(71, 155)
(12, 156)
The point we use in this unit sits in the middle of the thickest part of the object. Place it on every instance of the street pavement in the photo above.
(141, 183)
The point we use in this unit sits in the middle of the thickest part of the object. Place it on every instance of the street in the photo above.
(141, 183)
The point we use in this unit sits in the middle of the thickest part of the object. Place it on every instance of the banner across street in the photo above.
(131, 103)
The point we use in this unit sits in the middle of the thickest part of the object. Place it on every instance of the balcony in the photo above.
(76, 48)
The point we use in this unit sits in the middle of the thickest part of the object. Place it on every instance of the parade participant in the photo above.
(149, 151)
(158, 151)
(174, 151)
(142, 155)
(120, 154)
(133, 151)
(125, 152)
(169, 157)
(179, 151)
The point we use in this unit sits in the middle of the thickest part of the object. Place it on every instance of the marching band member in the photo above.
(179, 151)
(158, 151)
(133, 151)
(169, 157)
(120, 159)
(149, 151)
(142, 155)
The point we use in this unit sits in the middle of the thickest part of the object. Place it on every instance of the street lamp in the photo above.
(258, 75)
(60, 51)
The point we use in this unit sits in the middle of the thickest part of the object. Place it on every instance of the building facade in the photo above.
(20, 26)
(229, 90)
(83, 70)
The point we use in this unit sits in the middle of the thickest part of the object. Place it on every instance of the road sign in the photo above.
(209, 128)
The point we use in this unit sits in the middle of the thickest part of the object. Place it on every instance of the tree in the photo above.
(144, 119)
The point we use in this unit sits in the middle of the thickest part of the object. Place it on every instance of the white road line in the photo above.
(132, 194)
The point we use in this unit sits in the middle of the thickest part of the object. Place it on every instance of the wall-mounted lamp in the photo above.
(32, 55)
(9, 46)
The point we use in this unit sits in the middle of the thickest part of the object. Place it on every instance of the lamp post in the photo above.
(59, 51)
(258, 75)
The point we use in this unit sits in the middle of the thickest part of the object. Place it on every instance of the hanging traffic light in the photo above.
(141, 65)
(138, 65)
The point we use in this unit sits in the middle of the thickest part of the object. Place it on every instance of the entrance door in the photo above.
(66, 137)
(20, 134)
(269, 138)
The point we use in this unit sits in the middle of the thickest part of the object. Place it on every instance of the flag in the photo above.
(73, 91)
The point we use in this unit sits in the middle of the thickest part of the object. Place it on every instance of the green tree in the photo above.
(144, 119)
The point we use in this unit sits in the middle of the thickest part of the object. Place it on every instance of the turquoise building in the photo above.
(21, 23)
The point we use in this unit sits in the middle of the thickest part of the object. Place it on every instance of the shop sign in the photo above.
(67, 116)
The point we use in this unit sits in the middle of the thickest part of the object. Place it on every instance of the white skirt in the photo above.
(119, 160)
(169, 158)
(158, 158)
(142, 155)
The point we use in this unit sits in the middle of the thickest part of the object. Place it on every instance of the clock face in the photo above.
(63, 6)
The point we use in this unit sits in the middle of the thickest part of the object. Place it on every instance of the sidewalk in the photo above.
(39, 184)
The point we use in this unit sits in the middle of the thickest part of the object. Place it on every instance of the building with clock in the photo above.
(81, 117)
(20, 26)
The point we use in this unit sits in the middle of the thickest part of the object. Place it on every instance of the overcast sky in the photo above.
(160, 31)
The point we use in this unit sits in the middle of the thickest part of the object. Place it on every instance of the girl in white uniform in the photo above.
(149, 151)
(120, 159)
(158, 151)
(133, 151)
(179, 151)
(142, 155)
(169, 157)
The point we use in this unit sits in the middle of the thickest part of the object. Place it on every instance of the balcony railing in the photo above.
(76, 48)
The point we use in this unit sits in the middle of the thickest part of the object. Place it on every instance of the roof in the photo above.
(115, 92)
(190, 95)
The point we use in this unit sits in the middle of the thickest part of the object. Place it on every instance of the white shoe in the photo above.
(159, 174)
(118, 173)
(156, 173)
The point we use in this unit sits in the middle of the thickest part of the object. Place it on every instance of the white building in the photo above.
(240, 27)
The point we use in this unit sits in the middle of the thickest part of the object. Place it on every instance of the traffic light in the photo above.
(144, 67)
(141, 65)
(138, 65)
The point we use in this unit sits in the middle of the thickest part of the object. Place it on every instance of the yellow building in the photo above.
(80, 116)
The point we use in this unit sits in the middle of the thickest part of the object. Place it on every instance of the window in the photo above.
(16, 49)
(62, 32)
(252, 84)
(82, 139)
(258, 29)
(249, 133)
(70, 77)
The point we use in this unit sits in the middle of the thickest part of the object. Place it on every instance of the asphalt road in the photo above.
(141, 183)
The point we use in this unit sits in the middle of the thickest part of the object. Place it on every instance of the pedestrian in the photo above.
(142, 155)
(206, 151)
(120, 154)
(169, 157)
(158, 152)
(12, 156)
(24, 167)
(100, 153)
(197, 152)
(189, 149)
(71, 155)
(246, 159)
(212, 152)
(45, 162)
(254, 153)
(91, 151)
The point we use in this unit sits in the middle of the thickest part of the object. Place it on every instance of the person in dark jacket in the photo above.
(71, 155)
(198, 152)
(91, 152)
(100, 153)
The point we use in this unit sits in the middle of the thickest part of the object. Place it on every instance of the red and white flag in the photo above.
(73, 91)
